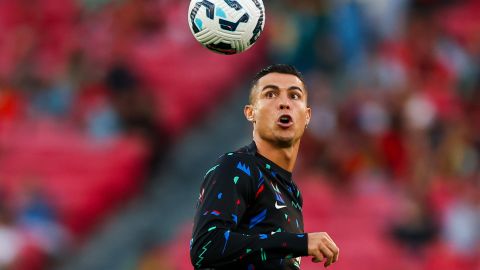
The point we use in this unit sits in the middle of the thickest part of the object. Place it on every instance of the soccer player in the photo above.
(249, 212)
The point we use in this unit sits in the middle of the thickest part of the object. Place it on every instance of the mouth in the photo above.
(285, 121)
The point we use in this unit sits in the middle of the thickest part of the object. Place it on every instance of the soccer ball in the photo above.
(226, 26)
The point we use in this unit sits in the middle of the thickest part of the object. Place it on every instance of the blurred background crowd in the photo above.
(110, 112)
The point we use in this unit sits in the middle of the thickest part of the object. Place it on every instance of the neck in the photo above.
(285, 157)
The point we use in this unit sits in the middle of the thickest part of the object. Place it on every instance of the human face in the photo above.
(279, 109)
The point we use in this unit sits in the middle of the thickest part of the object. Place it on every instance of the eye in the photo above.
(295, 96)
(270, 94)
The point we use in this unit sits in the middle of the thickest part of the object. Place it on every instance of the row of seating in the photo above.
(83, 179)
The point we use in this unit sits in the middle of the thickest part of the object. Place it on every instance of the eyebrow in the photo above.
(276, 87)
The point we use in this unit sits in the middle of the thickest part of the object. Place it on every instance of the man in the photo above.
(249, 213)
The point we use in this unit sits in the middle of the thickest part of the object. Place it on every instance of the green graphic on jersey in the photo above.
(296, 205)
(211, 169)
(263, 254)
(200, 257)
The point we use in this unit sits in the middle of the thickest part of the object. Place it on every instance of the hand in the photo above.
(321, 246)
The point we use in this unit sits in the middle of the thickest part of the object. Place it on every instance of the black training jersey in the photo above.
(249, 216)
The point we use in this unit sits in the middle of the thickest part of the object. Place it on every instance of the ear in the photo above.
(308, 112)
(249, 113)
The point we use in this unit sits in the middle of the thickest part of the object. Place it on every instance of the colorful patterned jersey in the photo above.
(249, 216)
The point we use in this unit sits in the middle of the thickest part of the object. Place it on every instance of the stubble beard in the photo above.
(275, 138)
(281, 142)
(284, 143)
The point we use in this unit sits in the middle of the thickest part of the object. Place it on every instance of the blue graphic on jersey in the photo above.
(244, 168)
(235, 218)
(219, 196)
(258, 218)
(279, 198)
(227, 235)
(263, 236)
(260, 178)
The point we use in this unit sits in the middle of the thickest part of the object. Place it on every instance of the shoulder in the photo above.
(240, 162)
(232, 171)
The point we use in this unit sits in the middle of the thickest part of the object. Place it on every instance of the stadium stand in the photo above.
(77, 141)
(390, 169)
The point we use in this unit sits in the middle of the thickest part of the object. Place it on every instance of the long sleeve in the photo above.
(228, 188)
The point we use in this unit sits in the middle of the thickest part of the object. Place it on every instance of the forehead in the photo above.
(283, 81)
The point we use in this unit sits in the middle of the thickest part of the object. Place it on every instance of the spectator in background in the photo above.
(136, 111)
(400, 93)
(461, 227)
(10, 104)
(10, 238)
(50, 98)
(415, 227)
(37, 218)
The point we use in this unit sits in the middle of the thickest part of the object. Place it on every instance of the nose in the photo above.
(284, 103)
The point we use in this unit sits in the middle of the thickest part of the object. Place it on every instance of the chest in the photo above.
(276, 206)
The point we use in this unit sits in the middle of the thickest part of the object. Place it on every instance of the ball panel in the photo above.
(260, 23)
(222, 47)
(210, 7)
(226, 26)
(234, 4)
(232, 26)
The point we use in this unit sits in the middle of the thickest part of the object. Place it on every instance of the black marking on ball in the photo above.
(258, 27)
(234, 4)
(210, 13)
(222, 47)
(232, 26)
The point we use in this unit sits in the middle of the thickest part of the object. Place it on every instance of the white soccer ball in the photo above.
(226, 26)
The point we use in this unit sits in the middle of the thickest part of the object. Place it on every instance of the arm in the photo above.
(225, 194)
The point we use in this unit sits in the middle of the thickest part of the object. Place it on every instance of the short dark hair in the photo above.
(275, 68)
